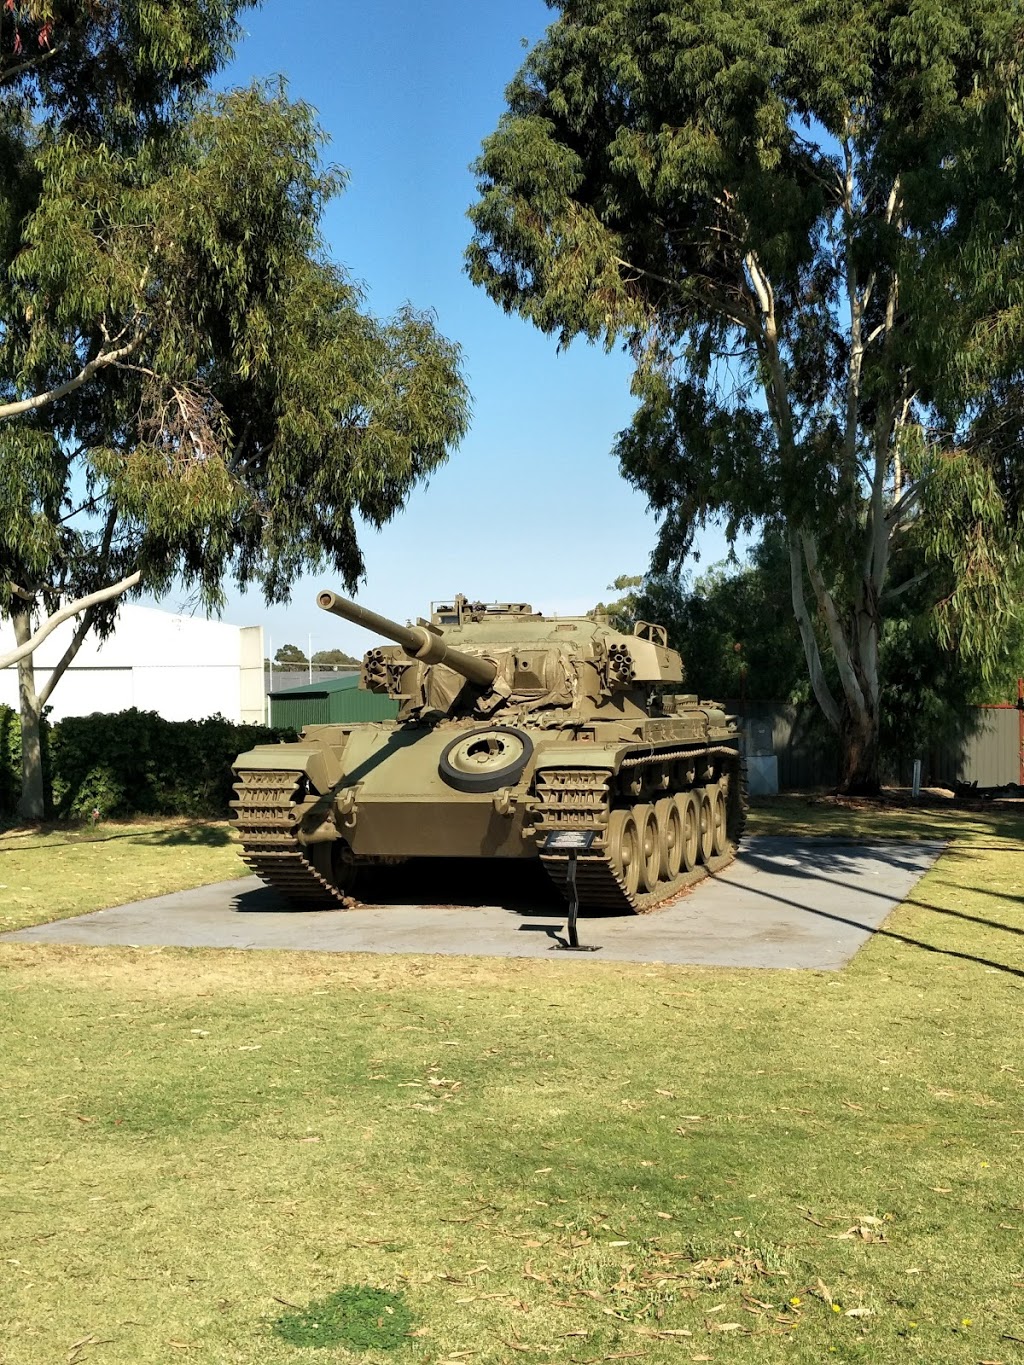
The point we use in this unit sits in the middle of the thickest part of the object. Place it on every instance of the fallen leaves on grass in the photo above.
(866, 1229)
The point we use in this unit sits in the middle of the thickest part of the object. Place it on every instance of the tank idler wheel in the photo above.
(650, 846)
(670, 831)
(335, 864)
(689, 817)
(623, 847)
(719, 822)
(707, 825)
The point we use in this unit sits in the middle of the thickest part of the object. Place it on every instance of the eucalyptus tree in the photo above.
(190, 387)
(804, 220)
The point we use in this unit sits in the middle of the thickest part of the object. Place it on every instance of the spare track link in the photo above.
(265, 820)
(580, 798)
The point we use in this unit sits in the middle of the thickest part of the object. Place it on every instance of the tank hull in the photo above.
(347, 796)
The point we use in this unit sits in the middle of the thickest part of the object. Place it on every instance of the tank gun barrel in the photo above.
(417, 641)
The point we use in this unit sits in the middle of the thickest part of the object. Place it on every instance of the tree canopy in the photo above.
(334, 658)
(740, 643)
(804, 220)
(290, 654)
(190, 387)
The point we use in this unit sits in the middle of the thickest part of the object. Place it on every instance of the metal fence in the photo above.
(989, 751)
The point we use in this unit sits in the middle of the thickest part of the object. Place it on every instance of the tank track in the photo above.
(581, 798)
(265, 819)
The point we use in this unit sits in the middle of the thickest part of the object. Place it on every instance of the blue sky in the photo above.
(532, 505)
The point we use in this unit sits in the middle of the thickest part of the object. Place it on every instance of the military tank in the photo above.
(511, 727)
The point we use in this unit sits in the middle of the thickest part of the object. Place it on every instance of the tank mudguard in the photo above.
(322, 767)
(582, 755)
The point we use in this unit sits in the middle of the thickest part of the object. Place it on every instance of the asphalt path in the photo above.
(784, 903)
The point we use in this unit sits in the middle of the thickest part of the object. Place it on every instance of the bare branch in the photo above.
(42, 400)
(30, 64)
(60, 668)
(93, 599)
(902, 505)
(836, 635)
(892, 593)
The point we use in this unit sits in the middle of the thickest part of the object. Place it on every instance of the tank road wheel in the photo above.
(650, 846)
(707, 825)
(623, 846)
(719, 822)
(670, 831)
(689, 816)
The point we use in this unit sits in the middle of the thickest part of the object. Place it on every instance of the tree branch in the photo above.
(14, 71)
(60, 668)
(902, 505)
(836, 635)
(811, 652)
(94, 599)
(42, 400)
(893, 593)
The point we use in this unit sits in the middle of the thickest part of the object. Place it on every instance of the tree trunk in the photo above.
(32, 805)
(859, 755)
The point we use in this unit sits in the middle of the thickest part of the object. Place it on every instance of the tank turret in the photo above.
(512, 728)
(518, 659)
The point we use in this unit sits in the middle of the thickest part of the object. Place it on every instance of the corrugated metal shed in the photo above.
(330, 702)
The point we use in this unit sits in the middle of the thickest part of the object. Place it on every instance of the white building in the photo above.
(182, 667)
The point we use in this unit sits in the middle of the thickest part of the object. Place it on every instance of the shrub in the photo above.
(135, 762)
(10, 759)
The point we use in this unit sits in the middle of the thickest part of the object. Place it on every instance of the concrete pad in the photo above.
(807, 903)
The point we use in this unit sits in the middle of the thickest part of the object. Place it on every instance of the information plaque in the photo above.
(573, 842)
(566, 840)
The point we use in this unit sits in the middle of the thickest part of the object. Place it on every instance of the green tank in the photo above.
(512, 727)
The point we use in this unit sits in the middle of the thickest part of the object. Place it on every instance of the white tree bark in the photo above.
(42, 400)
(29, 645)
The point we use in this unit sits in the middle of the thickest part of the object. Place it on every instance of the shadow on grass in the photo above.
(835, 861)
(199, 835)
(999, 895)
(196, 836)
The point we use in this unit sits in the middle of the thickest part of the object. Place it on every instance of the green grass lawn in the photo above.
(564, 1160)
(67, 870)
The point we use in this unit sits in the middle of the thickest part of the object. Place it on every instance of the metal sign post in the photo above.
(573, 842)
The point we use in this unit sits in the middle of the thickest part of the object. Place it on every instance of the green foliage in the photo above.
(135, 762)
(357, 1317)
(10, 759)
(806, 224)
(735, 631)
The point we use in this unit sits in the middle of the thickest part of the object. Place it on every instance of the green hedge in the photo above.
(10, 759)
(135, 763)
